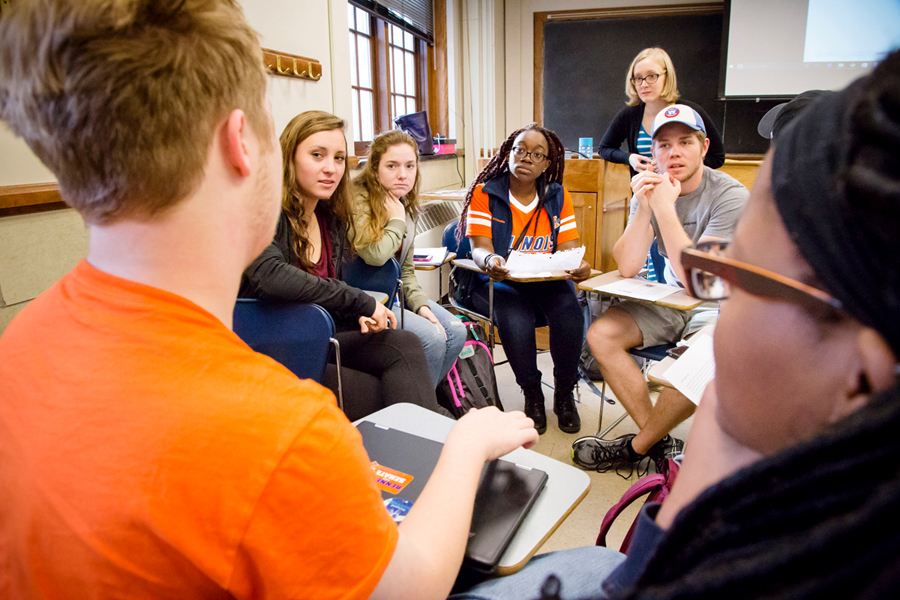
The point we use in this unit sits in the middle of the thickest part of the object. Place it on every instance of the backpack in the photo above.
(657, 486)
(471, 382)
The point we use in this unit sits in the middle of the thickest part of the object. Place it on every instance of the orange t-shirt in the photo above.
(147, 452)
(538, 236)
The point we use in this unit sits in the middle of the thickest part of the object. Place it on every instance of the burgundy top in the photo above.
(324, 268)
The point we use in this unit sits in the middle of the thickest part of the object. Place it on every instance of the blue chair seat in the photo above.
(296, 335)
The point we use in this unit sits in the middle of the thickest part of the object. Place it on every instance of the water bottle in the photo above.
(586, 147)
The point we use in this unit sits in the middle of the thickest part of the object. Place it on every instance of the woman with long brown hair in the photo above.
(380, 365)
(384, 213)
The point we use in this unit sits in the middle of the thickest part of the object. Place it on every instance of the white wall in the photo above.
(38, 249)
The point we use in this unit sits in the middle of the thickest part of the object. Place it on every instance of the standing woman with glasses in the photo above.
(650, 85)
(518, 202)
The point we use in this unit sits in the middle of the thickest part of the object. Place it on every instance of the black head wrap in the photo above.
(836, 183)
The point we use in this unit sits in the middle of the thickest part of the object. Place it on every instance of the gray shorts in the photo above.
(662, 325)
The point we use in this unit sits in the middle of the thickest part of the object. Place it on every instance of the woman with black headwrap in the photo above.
(791, 481)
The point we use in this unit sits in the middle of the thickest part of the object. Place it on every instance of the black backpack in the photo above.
(471, 382)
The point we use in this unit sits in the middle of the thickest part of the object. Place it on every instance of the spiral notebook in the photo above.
(403, 462)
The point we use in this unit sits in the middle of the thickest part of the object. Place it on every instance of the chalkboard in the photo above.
(585, 63)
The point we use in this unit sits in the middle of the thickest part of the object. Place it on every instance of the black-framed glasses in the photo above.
(710, 275)
(651, 78)
(521, 152)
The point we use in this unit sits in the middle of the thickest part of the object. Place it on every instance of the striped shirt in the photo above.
(644, 143)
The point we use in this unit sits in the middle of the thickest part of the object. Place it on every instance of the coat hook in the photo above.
(278, 67)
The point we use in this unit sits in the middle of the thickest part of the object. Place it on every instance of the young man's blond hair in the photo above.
(120, 98)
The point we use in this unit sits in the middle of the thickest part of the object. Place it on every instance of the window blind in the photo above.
(414, 16)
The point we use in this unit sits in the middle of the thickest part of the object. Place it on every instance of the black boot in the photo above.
(534, 407)
(566, 413)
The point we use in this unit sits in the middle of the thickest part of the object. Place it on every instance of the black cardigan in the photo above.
(627, 124)
(273, 276)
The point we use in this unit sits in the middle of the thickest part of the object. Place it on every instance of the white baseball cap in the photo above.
(678, 113)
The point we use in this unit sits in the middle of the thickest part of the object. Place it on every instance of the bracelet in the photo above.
(487, 260)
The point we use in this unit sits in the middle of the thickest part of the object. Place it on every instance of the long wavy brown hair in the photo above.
(370, 224)
(301, 127)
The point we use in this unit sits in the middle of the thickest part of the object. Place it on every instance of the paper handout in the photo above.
(638, 288)
(693, 371)
(522, 263)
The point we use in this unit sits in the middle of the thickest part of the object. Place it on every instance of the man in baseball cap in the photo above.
(682, 204)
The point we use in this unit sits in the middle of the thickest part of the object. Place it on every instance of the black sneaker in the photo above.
(566, 412)
(590, 452)
(534, 407)
(668, 447)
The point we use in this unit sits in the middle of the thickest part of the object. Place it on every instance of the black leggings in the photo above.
(516, 310)
(380, 369)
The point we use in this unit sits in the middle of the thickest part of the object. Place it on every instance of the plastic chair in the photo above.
(296, 335)
(659, 262)
(384, 279)
(653, 353)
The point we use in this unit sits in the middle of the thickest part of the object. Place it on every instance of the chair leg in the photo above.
(337, 361)
(491, 313)
(402, 304)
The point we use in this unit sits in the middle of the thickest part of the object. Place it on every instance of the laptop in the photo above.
(403, 462)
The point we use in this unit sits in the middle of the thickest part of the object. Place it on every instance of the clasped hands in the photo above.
(655, 191)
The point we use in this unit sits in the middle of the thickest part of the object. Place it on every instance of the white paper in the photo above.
(693, 371)
(531, 263)
(638, 288)
(437, 255)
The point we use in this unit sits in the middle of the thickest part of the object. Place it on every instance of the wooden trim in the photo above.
(540, 18)
(438, 96)
(31, 198)
(382, 77)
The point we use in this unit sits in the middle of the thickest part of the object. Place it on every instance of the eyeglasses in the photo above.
(521, 152)
(651, 78)
(710, 276)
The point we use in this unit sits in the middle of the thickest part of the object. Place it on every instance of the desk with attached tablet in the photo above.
(566, 485)
(679, 300)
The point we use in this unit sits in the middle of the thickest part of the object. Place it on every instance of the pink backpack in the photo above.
(657, 486)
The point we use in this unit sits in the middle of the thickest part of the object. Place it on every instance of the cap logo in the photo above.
(672, 112)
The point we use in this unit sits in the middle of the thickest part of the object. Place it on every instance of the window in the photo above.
(388, 75)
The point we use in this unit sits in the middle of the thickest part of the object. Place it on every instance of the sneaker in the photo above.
(566, 412)
(668, 447)
(534, 407)
(590, 452)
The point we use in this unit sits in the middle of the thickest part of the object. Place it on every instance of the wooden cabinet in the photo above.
(600, 193)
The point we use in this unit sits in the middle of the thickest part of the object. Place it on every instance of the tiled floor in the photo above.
(582, 526)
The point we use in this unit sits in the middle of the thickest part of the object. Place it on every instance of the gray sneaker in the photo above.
(668, 447)
(592, 453)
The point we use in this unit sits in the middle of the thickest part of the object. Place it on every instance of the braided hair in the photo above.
(499, 166)
(814, 520)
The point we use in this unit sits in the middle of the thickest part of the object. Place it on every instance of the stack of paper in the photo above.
(638, 288)
(432, 256)
(522, 264)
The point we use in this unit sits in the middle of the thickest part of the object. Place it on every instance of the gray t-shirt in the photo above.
(712, 209)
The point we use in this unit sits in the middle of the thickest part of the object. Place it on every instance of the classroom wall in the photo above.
(38, 249)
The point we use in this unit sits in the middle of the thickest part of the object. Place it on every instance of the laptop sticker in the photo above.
(397, 508)
(390, 480)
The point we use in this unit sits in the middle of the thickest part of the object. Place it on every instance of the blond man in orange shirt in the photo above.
(145, 451)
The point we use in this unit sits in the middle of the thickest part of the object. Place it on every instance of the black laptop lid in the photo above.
(403, 462)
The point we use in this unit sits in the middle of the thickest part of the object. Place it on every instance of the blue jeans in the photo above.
(580, 570)
(518, 309)
(440, 352)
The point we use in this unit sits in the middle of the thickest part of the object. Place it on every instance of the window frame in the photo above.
(381, 61)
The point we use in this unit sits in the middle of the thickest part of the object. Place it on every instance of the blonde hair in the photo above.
(370, 223)
(121, 99)
(670, 88)
(301, 127)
